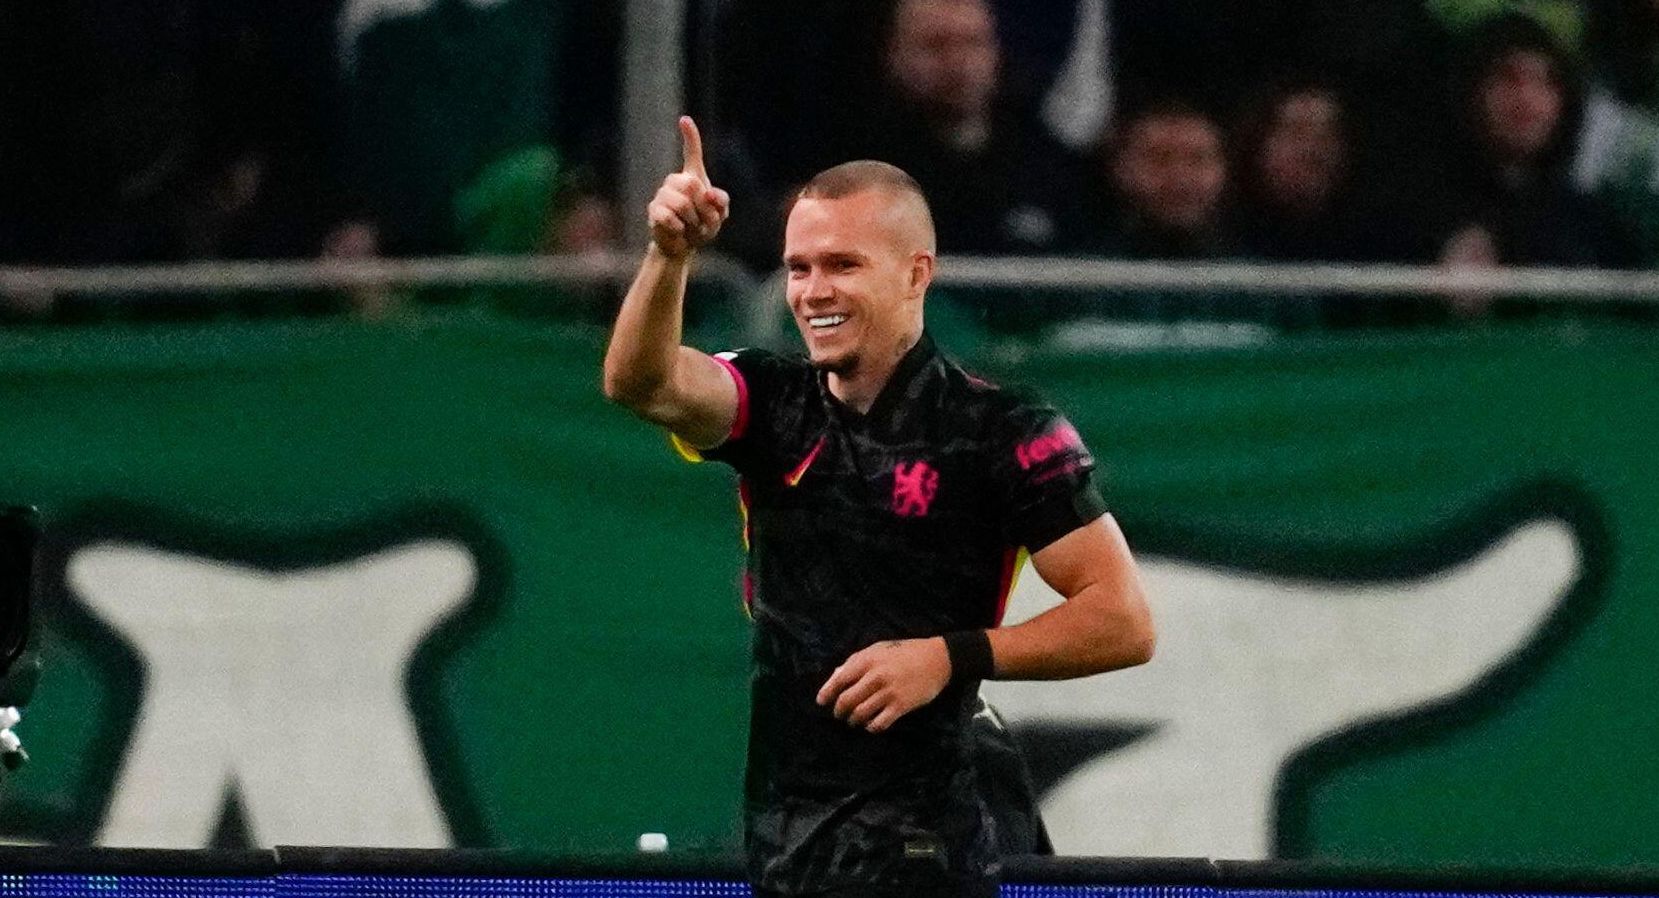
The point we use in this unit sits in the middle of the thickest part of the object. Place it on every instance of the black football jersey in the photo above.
(907, 521)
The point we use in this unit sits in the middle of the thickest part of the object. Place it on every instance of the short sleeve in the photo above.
(760, 377)
(1046, 478)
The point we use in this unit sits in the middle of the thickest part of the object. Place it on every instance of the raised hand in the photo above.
(687, 211)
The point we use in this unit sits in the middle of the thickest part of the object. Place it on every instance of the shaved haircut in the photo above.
(849, 178)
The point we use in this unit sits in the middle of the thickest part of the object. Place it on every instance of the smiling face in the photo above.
(858, 267)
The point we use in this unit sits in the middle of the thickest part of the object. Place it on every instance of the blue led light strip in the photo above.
(309, 885)
(81, 885)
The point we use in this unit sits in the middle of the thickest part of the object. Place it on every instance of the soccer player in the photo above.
(889, 495)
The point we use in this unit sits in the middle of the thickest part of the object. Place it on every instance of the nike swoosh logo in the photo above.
(794, 477)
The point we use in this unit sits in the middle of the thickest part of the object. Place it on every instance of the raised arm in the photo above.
(646, 368)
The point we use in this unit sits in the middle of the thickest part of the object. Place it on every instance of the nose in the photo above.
(817, 288)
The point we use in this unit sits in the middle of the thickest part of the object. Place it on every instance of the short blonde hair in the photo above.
(848, 178)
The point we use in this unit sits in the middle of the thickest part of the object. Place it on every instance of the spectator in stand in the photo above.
(1520, 101)
(1062, 68)
(997, 181)
(1167, 166)
(1294, 164)
(463, 138)
(1301, 199)
(1166, 199)
(1616, 155)
(436, 93)
(1309, 189)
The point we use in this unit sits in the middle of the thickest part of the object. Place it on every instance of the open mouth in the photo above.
(824, 322)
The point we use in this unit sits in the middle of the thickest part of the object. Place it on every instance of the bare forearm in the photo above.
(1093, 632)
(646, 368)
(645, 342)
(1104, 624)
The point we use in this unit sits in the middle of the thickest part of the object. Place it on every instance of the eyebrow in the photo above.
(854, 255)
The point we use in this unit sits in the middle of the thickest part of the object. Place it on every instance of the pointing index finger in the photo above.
(691, 150)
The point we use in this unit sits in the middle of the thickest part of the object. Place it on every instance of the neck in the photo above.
(857, 389)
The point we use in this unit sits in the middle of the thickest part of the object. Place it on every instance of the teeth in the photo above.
(826, 320)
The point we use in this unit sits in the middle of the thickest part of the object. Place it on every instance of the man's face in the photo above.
(1303, 155)
(1172, 170)
(944, 55)
(1520, 104)
(852, 281)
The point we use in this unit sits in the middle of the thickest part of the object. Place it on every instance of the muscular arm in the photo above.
(646, 368)
(1103, 625)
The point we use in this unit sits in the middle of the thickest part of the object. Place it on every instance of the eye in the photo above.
(798, 269)
(844, 264)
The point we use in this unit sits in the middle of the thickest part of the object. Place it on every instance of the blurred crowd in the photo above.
(1461, 132)
(1464, 131)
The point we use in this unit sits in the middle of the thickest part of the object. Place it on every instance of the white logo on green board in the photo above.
(284, 688)
(1251, 669)
(304, 677)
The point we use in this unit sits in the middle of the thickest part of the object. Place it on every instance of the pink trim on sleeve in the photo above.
(741, 423)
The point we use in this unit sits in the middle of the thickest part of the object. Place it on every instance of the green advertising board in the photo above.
(416, 583)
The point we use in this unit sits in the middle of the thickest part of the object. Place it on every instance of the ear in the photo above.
(921, 272)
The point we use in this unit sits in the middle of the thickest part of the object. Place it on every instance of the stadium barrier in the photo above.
(1590, 285)
(1067, 302)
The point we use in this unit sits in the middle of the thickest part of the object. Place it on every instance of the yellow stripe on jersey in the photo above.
(685, 449)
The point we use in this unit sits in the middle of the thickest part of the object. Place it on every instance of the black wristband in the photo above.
(970, 656)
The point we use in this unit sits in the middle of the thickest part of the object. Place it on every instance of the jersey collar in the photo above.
(902, 386)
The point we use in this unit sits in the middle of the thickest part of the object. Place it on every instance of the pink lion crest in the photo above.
(914, 486)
